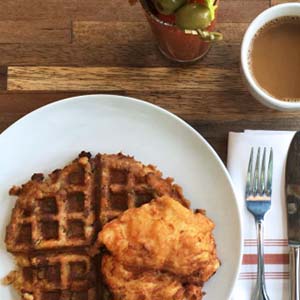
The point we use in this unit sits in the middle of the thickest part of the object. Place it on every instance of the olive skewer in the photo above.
(209, 36)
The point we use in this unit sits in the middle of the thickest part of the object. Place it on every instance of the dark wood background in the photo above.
(52, 49)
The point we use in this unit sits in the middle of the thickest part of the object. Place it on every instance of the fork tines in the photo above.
(259, 184)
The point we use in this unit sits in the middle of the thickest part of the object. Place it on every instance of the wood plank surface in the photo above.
(123, 33)
(68, 10)
(94, 45)
(135, 55)
(192, 106)
(3, 79)
(53, 49)
(274, 2)
(36, 32)
(117, 10)
(122, 79)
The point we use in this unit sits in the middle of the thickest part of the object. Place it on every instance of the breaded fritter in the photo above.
(127, 284)
(163, 235)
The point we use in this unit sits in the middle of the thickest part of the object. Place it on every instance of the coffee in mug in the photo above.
(274, 58)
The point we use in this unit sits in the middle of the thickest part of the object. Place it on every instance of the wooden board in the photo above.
(52, 49)
(174, 79)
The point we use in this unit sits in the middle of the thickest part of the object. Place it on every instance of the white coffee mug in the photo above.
(277, 11)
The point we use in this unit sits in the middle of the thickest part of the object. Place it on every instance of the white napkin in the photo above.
(276, 249)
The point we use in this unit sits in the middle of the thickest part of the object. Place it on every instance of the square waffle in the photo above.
(54, 213)
(52, 272)
(88, 294)
(127, 183)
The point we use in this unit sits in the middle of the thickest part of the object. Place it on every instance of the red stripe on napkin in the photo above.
(267, 242)
(271, 259)
(268, 275)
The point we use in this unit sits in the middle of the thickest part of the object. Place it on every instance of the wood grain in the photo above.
(118, 10)
(274, 2)
(36, 32)
(126, 33)
(69, 10)
(103, 33)
(240, 11)
(206, 106)
(120, 79)
(134, 55)
(3, 78)
(232, 32)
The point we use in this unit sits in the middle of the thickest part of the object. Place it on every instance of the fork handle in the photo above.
(294, 272)
(260, 292)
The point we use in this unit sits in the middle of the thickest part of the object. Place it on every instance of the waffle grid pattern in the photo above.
(127, 183)
(54, 213)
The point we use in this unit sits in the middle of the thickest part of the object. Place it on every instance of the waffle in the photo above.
(88, 294)
(54, 213)
(43, 277)
(55, 221)
(127, 183)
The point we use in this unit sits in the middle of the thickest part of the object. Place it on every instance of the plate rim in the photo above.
(115, 97)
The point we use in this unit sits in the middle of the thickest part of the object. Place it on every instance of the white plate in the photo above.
(53, 135)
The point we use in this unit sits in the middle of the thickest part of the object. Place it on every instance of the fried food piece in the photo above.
(126, 284)
(163, 235)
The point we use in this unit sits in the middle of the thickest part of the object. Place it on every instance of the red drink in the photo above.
(173, 42)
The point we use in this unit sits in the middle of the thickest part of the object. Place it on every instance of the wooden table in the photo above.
(53, 49)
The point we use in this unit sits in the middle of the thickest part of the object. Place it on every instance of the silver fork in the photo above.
(258, 201)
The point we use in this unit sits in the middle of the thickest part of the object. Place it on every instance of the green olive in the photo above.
(193, 16)
(168, 7)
